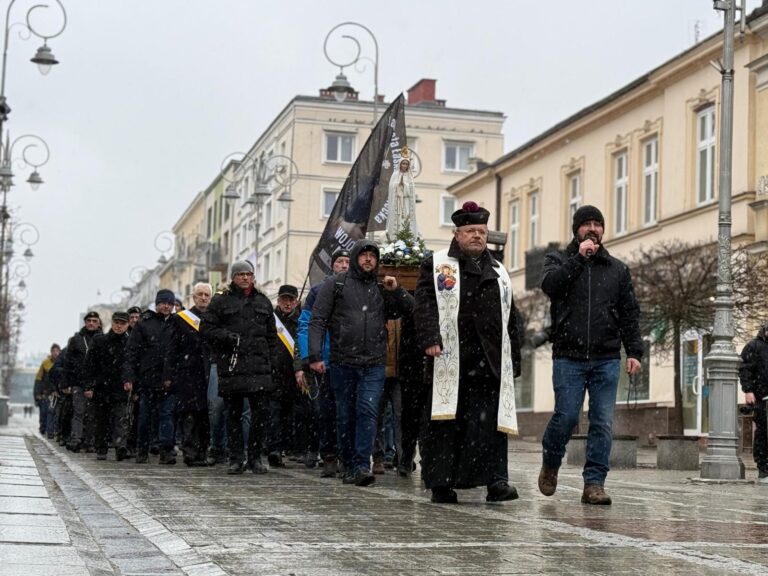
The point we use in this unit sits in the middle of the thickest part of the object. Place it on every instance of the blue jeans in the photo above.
(216, 413)
(358, 391)
(165, 404)
(571, 379)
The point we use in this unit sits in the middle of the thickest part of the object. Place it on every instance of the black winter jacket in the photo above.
(104, 366)
(146, 351)
(58, 378)
(753, 372)
(354, 309)
(284, 364)
(593, 305)
(243, 368)
(77, 349)
(188, 364)
(480, 319)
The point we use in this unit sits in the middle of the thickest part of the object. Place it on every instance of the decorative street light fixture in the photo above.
(44, 58)
(722, 461)
(341, 87)
(269, 174)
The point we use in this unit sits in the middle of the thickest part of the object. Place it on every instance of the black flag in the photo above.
(362, 202)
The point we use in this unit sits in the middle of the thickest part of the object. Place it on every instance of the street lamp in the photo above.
(341, 87)
(44, 57)
(270, 175)
(722, 461)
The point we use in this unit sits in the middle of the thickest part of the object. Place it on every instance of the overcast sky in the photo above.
(151, 95)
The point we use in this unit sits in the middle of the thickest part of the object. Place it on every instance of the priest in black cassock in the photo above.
(466, 324)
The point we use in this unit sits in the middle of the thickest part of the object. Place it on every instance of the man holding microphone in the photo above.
(594, 312)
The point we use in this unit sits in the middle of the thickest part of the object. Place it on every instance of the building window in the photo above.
(705, 155)
(620, 180)
(267, 215)
(209, 222)
(226, 211)
(329, 201)
(514, 234)
(533, 203)
(278, 261)
(447, 207)
(267, 268)
(226, 245)
(524, 384)
(574, 196)
(650, 180)
(456, 157)
(339, 147)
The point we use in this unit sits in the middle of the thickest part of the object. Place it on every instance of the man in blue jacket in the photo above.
(327, 400)
(594, 312)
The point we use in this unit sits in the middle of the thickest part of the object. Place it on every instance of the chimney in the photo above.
(423, 92)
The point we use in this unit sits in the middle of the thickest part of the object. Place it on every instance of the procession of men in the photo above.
(313, 382)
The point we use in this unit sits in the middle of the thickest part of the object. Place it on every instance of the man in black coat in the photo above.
(143, 372)
(471, 363)
(63, 416)
(103, 368)
(286, 395)
(753, 375)
(75, 380)
(240, 329)
(594, 312)
(187, 368)
(354, 310)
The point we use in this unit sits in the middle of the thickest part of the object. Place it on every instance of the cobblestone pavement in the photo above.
(124, 518)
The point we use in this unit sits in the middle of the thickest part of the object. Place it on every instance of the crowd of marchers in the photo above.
(361, 376)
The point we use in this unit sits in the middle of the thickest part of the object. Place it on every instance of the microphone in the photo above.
(590, 252)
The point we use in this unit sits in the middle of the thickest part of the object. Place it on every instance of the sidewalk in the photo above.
(33, 538)
(177, 520)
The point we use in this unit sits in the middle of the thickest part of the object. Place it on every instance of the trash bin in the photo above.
(4, 407)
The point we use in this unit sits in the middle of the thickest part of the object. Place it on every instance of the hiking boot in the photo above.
(257, 466)
(378, 466)
(310, 459)
(364, 478)
(389, 464)
(167, 458)
(547, 480)
(444, 495)
(142, 458)
(275, 460)
(74, 447)
(329, 467)
(236, 468)
(594, 494)
(501, 492)
(101, 456)
(121, 454)
(348, 478)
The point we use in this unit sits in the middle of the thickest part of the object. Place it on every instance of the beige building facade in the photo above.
(647, 156)
(307, 153)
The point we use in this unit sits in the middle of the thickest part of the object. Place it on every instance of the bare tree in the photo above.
(675, 283)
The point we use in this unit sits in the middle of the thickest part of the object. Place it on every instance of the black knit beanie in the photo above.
(585, 214)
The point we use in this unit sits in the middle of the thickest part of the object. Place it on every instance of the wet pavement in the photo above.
(123, 518)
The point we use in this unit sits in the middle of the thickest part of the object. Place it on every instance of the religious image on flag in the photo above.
(362, 203)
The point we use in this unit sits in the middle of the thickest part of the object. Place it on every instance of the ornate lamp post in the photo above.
(722, 363)
(44, 58)
(270, 175)
(341, 87)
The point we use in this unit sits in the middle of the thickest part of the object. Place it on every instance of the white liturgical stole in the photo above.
(445, 378)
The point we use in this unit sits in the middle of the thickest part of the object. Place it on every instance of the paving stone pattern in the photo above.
(291, 521)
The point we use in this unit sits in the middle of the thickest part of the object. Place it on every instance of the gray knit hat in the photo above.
(241, 266)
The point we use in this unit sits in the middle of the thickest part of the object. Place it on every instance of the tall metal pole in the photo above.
(722, 363)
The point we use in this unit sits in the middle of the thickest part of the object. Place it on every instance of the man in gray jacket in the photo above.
(354, 309)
